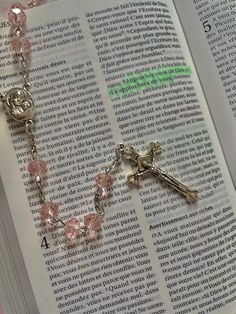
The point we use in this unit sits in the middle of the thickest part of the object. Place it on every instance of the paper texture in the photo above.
(210, 26)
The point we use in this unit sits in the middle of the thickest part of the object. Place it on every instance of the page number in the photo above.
(44, 243)
(207, 26)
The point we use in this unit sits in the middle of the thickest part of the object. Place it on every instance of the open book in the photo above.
(110, 72)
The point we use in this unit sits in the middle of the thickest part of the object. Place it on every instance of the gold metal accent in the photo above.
(145, 166)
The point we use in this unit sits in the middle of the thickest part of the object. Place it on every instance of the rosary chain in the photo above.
(29, 125)
(18, 32)
(98, 194)
(37, 167)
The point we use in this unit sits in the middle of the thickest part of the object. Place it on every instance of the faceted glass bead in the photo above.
(104, 180)
(71, 228)
(37, 167)
(26, 46)
(21, 45)
(48, 212)
(17, 5)
(93, 222)
(16, 14)
(16, 44)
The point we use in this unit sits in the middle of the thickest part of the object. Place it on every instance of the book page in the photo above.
(102, 75)
(209, 27)
(12, 275)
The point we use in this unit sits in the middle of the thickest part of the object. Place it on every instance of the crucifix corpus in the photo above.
(144, 164)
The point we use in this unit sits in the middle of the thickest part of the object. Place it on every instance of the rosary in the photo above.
(20, 107)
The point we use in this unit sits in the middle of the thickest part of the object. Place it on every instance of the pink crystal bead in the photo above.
(16, 14)
(37, 167)
(26, 46)
(48, 212)
(71, 228)
(16, 44)
(21, 45)
(93, 222)
(104, 180)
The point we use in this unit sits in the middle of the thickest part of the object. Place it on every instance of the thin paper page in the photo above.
(208, 27)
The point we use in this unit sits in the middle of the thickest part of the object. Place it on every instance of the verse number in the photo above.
(44, 243)
(207, 26)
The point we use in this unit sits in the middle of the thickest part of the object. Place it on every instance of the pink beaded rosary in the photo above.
(20, 106)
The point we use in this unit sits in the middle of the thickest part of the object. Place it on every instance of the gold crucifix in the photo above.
(145, 165)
